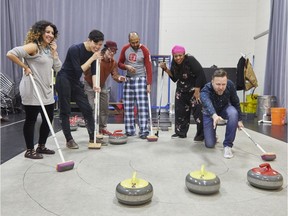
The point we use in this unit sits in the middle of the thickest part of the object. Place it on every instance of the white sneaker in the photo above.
(228, 152)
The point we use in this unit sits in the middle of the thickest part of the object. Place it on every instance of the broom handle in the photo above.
(98, 94)
(253, 140)
(95, 115)
(162, 81)
(46, 116)
(96, 102)
(159, 111)
(150, 113)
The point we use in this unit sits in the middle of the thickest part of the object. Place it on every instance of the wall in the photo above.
(215, 32)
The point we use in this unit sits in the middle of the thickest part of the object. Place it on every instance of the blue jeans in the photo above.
(231, 115)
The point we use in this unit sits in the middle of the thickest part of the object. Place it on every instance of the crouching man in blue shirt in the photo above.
(220, 101)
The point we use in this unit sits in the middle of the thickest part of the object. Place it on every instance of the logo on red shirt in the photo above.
(132, 57)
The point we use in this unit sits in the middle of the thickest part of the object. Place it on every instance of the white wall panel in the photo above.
(215, 32)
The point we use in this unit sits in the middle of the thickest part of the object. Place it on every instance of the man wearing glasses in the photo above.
(107, 66)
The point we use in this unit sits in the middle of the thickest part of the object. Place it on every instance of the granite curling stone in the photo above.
(265, 177)
(202, 182)
(134, 191)
(73, 123)
(118, 138)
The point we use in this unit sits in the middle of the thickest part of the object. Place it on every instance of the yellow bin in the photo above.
(278, 115)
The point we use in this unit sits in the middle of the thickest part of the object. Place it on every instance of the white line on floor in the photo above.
(13, 123)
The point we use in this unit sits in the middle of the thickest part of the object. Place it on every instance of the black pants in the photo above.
(29, 124)
(184, 104)
(68, 90)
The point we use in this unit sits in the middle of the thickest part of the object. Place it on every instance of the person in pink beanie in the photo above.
(189, 75)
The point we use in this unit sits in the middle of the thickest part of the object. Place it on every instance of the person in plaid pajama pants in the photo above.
(135, 59)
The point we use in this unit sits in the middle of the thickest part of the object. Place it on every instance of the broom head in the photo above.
(94, 145)
(268, 156)
(152, 138)
(67, 165)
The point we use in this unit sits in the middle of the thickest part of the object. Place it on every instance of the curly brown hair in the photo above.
(34, 35)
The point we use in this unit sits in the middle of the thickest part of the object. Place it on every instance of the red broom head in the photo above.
(268, 156)
(152, 138)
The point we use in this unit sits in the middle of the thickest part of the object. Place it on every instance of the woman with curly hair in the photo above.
(40, 56)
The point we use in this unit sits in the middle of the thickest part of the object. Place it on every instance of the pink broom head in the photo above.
(68, 165)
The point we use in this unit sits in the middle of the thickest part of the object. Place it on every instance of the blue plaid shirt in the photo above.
(214, 103)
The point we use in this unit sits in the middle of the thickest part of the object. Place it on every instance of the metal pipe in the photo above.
(261, 34)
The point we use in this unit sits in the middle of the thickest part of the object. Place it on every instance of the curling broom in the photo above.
(266, 156)
(152, 137)
(65, 165)
(96, 145)
(160, 101)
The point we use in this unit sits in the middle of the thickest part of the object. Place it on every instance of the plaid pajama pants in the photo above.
(135, 94)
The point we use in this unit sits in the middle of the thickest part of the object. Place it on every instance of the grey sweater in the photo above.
(40, 65)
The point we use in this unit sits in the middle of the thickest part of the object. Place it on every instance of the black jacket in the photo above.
(188, 74)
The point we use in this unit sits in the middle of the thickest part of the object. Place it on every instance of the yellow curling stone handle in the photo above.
(134, 182)
(203, 174)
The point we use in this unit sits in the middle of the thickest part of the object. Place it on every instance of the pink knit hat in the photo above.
(178, 49)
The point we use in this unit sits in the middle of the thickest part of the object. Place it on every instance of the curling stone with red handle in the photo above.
(118, 138)
(265, 177)
(134, 191)
(80, 121)
(202, 182)
(73, 123)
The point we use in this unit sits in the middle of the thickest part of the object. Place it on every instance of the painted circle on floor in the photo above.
(166, 170)
(90, 186)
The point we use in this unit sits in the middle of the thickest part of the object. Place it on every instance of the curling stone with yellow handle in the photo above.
(134, 191)
(202, 182)
(265, 177)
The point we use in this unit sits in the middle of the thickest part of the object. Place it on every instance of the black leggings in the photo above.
(29, 124)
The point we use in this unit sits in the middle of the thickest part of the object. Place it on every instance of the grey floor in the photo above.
(33, 187)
